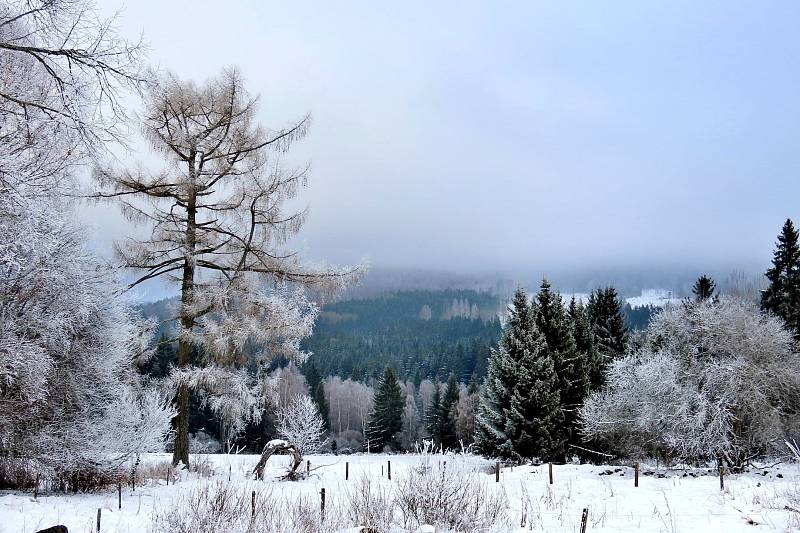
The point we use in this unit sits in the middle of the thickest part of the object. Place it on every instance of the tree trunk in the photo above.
(181, 453)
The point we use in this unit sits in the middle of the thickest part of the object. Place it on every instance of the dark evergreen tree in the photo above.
(609, 332)
(570, 365)
(704, 288)
(535, 416)
(433, 415)
(520, 337)
(447, 414)
(322, 404)
(386, 419)
(472, 386)
(782, 296)
(313, 378)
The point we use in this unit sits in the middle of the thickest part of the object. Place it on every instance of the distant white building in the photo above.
(654, 297)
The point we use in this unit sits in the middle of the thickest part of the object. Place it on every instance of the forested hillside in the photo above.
(421, 333)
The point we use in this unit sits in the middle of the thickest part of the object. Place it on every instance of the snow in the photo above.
(653, 297)
(676, 502)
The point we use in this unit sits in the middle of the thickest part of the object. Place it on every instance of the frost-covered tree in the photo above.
(70, 401)
(713, 380)
(782, 295)
(520, 336)
(81, 67)
(411, 424)
(219, 228)
(466, 411)
(69, 397)
(300, 423)
(386, 419)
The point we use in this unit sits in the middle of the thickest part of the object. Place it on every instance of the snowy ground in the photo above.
(676, 503)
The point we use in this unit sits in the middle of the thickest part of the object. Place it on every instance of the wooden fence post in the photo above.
(322, 502)
(636, 475)
(308, 467)
(389, 469)
(230, 468)
(253, 504)
(119, 493)
(550, 469)
(721, 479)
(98, 520)
(497, 472)
(346, 470)
(584, 518)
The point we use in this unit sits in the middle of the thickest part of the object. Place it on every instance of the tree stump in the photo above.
(280, 446)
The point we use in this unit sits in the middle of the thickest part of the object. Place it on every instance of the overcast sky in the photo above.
(511, 136)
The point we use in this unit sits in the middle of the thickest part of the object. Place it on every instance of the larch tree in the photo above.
(782, 295)
(219, 229)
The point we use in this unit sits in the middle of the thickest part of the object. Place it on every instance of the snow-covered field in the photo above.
(678, 502)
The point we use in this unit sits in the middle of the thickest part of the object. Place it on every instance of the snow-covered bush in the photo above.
(223, 507)
(451, 498)
(301, 424)
(202, 442)
(712, 380)
(371, 506)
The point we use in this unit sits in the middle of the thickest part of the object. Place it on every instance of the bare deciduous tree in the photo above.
(80, 59)
(219, 228)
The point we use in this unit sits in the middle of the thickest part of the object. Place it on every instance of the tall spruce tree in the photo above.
(571, 365)
(520, 336)
(608, 331)
(782, 296)
(447, 414)
(704, 288)
(535, 417)
(386, 419)
(433, 421)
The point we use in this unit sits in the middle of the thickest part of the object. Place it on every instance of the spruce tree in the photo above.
(609, 332)
(519, 337)
(386, 419)
(447, 415)
(782, 296)
(704, 288)
(433, 414)
(322, 404)
(312, 376)
(535, 415)
(571, 366)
